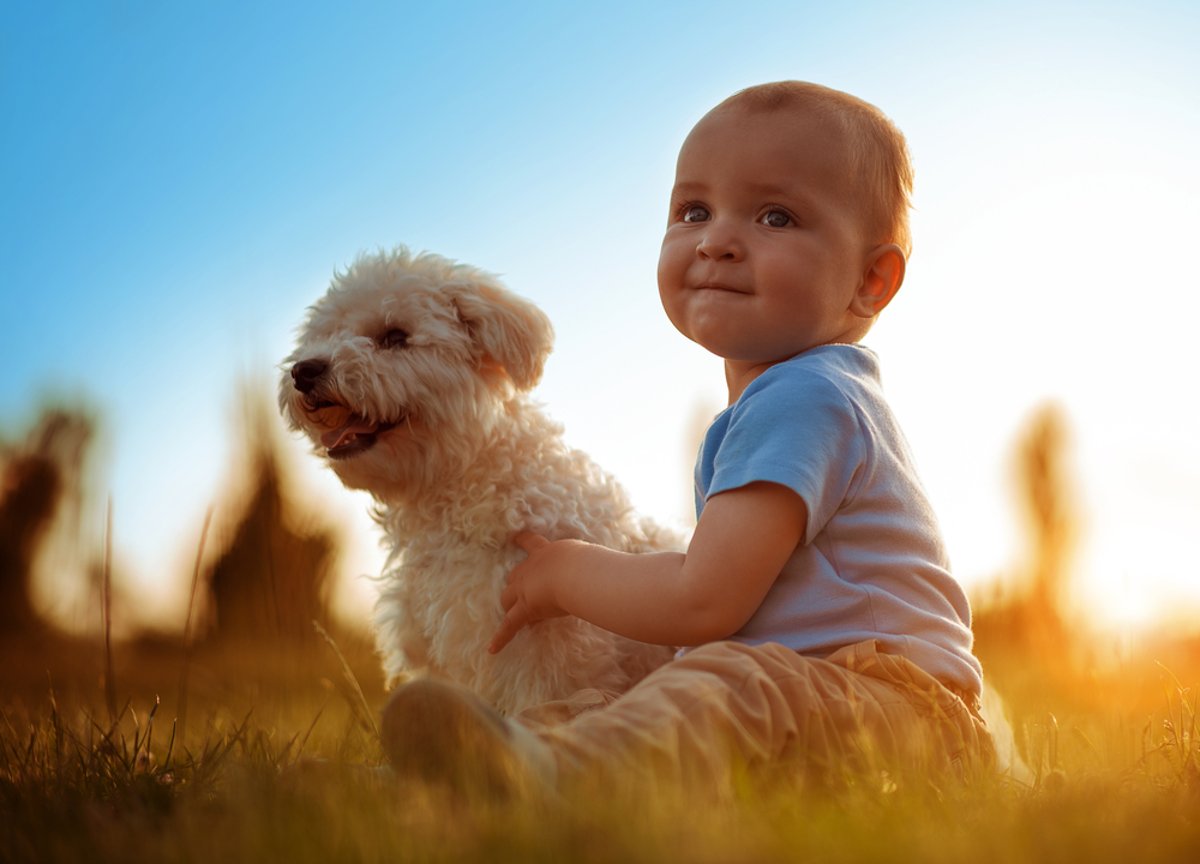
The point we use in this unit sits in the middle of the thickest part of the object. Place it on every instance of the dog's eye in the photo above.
(393, 338)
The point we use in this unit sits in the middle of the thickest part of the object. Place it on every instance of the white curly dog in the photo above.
(410, 376)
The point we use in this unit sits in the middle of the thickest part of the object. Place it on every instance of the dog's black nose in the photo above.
(307, 373)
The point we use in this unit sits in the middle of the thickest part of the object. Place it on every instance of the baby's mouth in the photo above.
(344, 432)
(716, 286)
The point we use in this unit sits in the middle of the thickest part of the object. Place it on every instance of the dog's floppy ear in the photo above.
(511, 333)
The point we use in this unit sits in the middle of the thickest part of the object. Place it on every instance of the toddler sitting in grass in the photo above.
(823, 631)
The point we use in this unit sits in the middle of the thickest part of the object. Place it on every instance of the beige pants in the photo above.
(727, 709)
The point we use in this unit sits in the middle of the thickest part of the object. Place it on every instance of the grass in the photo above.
(162, 751)
(1114, 759)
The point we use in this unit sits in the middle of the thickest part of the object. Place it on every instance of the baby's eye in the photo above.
(694, 213)
(776, 219)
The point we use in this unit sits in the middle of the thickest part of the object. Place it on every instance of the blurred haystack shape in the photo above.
(1053, 523)
(41, 486)
(1030, 614)
(270, 578)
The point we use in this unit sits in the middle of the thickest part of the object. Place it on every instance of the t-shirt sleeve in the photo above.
(799, 431)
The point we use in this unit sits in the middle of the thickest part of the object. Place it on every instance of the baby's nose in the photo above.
(719, 243)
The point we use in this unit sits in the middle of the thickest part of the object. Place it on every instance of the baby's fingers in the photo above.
(509, 596)
(530, 542)
(513, 621)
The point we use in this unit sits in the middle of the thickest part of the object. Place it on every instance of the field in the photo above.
(204, 755)
(254, 738)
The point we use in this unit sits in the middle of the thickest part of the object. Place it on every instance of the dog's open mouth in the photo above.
(345, 433)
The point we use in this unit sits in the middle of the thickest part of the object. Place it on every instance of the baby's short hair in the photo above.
(879, 150)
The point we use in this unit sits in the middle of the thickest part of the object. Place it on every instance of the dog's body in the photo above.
(410, 376)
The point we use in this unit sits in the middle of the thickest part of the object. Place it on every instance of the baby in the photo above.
(822, 630)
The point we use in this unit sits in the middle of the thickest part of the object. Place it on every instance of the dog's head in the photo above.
(401, 369)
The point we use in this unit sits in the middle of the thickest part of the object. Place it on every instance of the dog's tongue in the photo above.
(354, 425)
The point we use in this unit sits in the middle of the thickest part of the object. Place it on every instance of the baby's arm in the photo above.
(740, 545)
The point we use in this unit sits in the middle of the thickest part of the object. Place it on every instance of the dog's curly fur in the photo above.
(410, 377)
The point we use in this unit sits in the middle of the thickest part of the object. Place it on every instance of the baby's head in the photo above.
(794, 196)
(881, 176)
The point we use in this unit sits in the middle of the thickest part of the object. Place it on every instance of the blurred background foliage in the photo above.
(263, 578)
(268, 570)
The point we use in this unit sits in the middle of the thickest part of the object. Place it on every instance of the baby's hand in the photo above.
(529, 595)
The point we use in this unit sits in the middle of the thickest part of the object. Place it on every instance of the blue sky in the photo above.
(180, 180)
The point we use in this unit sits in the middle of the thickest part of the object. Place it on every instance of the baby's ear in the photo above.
(883, 274)
(509, 332)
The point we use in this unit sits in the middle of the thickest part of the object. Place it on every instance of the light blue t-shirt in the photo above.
(871, 563)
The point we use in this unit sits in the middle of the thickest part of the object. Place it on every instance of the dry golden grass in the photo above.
(154, 752)
(1114, 757)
